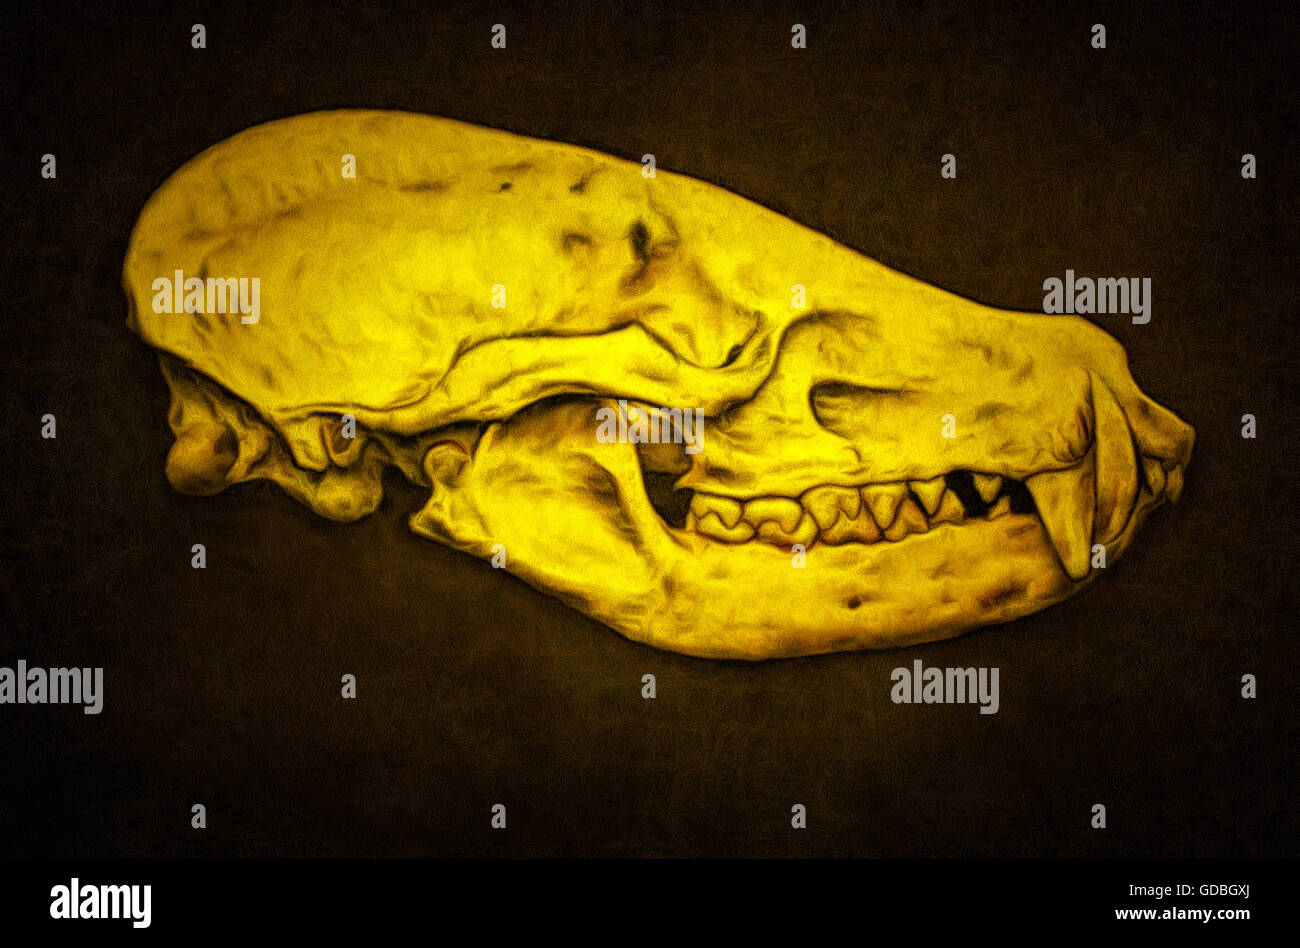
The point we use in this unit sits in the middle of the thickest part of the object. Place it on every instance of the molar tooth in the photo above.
(711, 526)
(950, 510)
(826, 504)
(930, 493)
(784, 511)
(988, 485)
(909, 520)
(1000, 509)
(857, 529)
(727, 509)
(883, 499)
(805, 532)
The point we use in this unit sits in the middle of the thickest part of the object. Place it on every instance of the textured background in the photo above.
(223, 684)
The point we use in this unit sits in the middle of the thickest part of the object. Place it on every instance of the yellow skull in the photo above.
(877, 462)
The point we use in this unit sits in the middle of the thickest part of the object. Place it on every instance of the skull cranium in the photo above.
(932, 464)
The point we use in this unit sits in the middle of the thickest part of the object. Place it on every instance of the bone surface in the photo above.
(874, 462)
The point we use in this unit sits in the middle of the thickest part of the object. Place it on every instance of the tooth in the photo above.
(883, 499)
(1155, 473)
(728, 510)
(857, 529)
(805, 532)
(1000, 509)
(711, 525)
(1174, 484)
(950, 510)
(988, 486)
(783, 510)
(1065, 503)
(910, 520)
(826, 503)
(1116, 470)
(930, 493)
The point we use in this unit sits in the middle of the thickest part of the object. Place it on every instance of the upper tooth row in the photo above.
(837, 515)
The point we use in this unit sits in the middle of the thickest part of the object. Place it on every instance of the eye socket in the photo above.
(733, 354)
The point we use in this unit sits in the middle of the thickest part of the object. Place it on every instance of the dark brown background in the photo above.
(223, 685)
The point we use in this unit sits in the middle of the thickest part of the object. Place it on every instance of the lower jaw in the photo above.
(766, 603)
(580, 527)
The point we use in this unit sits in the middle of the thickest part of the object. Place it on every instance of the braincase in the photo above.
(370, 287)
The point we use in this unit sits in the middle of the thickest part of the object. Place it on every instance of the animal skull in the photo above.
(945, 465)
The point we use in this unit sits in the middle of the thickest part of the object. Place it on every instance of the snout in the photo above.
(1161, 441)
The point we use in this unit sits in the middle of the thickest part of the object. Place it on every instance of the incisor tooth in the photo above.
(711, 525)
(1174, 485)
(950, 510)
(782, 510)
(1000, 509)
(728, 510)
(988, 486)
(930, 493)
(1066, 505)
(883, 499)
(826, 504)
(805, 532)
(910, 520)
(1155, 473)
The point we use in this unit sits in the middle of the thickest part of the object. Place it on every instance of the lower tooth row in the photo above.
(839, 515)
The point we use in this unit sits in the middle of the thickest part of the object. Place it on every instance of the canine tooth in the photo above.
(883, 499)
(1065, 501)
(711, 525)
(856, 529)
(826, 504)
(1155, 473)
(930, 493)
(988, 485)
(1000, 509)
(782, 510)
(950, 510)
(910, 520)
(728, 510)
(805, 532)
